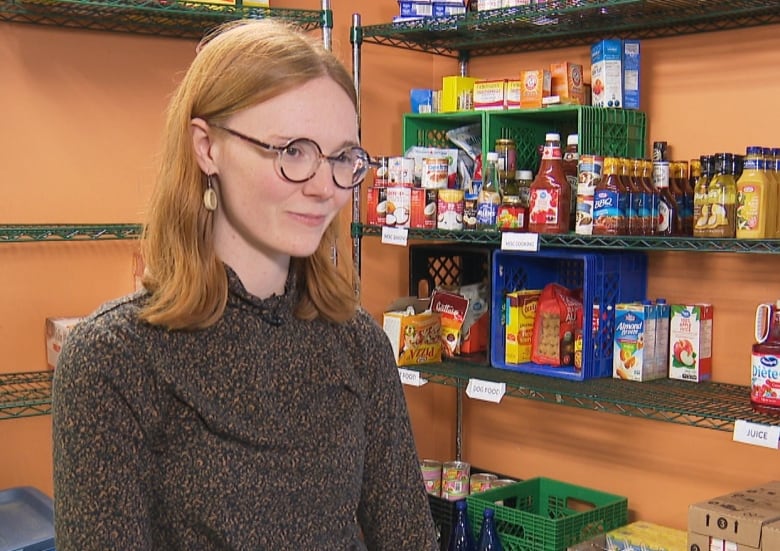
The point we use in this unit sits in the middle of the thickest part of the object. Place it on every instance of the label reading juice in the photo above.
(544, 206)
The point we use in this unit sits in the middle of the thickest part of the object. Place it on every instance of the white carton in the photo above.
(606, 73)
(690, 342)
(57, 330)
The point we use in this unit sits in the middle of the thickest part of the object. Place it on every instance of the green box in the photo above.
(602, 131)
(542, 514)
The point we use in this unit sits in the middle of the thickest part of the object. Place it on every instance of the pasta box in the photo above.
(414, 331)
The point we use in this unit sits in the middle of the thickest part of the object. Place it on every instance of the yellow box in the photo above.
(414, 331)
(566, 82)
(457, 94)
(520, 315)
(535, 86)
(647, 537)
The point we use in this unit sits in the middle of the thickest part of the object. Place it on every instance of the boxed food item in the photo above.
(414, 331)
(631, 74)
(690, 342)
(448, 8)
(566, 82)
(246, 3)
(415, 8)
(513, 93)
(745, 520)
(606, 73)
(490, 94)
(457, 93)
(452, 309)
(647, 537)
(535, 85)
(57, 330)
(421, 100)
(634, 350)
(520, 315)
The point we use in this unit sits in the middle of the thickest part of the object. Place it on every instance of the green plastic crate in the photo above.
(602, 131)
(542, 514)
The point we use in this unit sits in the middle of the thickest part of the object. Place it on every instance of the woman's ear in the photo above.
(202, 145)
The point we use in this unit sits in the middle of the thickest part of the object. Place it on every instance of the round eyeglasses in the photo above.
(299, 159)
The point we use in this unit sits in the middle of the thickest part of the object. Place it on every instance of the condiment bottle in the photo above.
(679, 186)
(570, 163)
(649, 206)
(524, 179)
(694, 173)
(507, 160)
(722, 198)
(489, 195)
(550, 192)
(765, 382)
(668, 208)
(701, 206)
(608, 215)
(635, 196)
(754, 209)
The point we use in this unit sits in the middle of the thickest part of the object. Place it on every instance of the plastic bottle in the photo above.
(765, 359)
(722, 198)
(489, 195)
(460, 537)
(643, 172)
(524, 179)
(488, 535)
(635, 195)
(694, 171)
(608, 215)
(570, 163)
(701, 206)
(668, 209)
(753, 205)
(550, 192)
(683, 194)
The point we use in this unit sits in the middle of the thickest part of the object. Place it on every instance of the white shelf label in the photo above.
(513, 241)
(487, 391)
(766, 436)
(411, 378)
(394, 236)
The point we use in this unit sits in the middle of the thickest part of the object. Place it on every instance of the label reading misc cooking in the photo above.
(487, 391)
(513, 241)
(766, 436)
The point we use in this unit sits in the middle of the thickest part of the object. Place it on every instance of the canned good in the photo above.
(470, 211)
(455, 480)
(435, 171)
(450, 209)
(480, 482)
(511, 214)
(431, 471)
(589, 175)
(381, 171)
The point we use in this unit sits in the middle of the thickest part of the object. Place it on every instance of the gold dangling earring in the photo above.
(210, 196)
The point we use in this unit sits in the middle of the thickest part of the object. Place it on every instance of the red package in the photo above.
(555, 326)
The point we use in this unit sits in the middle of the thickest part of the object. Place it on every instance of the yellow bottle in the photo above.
(755, 214)
(701, 206)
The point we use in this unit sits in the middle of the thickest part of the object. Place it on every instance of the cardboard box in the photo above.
(246, 3)
(414, 331)
(457, 94)
(631, 74)
(57, 330)
(566, 82)
(647, 537)
(690, 342)
(490, 95)
(513, 93)
(606, 73)
(736, 521)
(520, 316)
(421, 100)
(535, 86)
(634, 352)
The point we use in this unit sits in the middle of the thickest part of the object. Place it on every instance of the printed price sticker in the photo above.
(487, 391)
(766, 436)
(513, 241)
(411, 378)
(394, 236)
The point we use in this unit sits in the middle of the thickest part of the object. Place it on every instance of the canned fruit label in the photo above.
(765, 379)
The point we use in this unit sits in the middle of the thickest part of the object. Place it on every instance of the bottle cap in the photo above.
(573, 139)
(492, 156)
(552, 137)
(524, 175)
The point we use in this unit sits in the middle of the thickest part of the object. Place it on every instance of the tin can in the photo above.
(589, 175)
(435, 171)
(479, 482)
(511, 214)
(470, 211)
(381, 171)
(431, 471)
(455, 480)
(450, 209)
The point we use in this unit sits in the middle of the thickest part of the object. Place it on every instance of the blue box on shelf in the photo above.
(445, 9)
(415, 8)
(605, 278)
(26, 520)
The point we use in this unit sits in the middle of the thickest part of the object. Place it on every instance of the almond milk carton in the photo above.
(633, 351)
(690, 342)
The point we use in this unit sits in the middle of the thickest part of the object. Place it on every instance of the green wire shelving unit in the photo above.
(25, 394)
(24, 233)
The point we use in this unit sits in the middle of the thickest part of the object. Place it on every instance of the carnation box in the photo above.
(57, 330)
(513, 93)
(747, 520)
(414, 331)
(690, 342)
(490, 94)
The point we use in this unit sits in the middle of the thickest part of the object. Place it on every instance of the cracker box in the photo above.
(566, 82)
(740, 521)
(520, 315)
(646, 536)
(534, 87)
(457, 93)
(414, 331)
(490, 95)
(606, 73)
(57, 330)
(690, 342)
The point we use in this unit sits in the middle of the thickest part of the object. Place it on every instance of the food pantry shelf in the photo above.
(149, 17)
(706, 405)
(564, 23)
(572, 240)
(25, 394)
(25, 233)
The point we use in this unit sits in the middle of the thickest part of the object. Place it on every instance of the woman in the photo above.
(242, 400)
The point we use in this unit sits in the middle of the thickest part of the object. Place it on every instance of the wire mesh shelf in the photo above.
(68, 232)
(25, 394)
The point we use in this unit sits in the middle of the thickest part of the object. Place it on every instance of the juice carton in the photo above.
(690, 342)
(520, 315)
(633, 351)
(606, 73)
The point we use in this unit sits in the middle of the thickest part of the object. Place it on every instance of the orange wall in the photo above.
(81, 125)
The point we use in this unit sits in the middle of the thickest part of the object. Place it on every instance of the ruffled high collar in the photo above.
(276, 309)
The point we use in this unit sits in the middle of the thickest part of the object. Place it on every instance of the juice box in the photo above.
(633, 350)
(690, 342)
(520, 315)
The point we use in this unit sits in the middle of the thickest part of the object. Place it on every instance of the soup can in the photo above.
(431, 471)
(450, 209)
(455, 480)
(480, 482)
(435, 171)
(381, 171)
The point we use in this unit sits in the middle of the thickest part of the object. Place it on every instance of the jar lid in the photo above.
(552, 137)
(573, 139)
(492, 156)
(524, 175)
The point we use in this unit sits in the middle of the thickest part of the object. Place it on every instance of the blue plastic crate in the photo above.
(26, 520)
(605, 278)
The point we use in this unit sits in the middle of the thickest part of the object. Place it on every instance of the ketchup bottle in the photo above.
(765, 361)
(550, 200)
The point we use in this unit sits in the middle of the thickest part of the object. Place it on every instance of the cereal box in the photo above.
(414, 331)
(690, 342)
(520, 314)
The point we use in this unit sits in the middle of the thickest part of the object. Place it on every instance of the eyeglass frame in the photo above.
(279, 150)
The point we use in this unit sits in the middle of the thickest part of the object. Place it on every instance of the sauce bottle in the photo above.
(524, 179)
(701, 207)
(609, 216)
(668, 209)
(679, 186)
(722, 198)
(753, 205)
(550, 192)
(694, 172)
(635, 198)
(571, 160)
(643, 173)
(764, 361)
